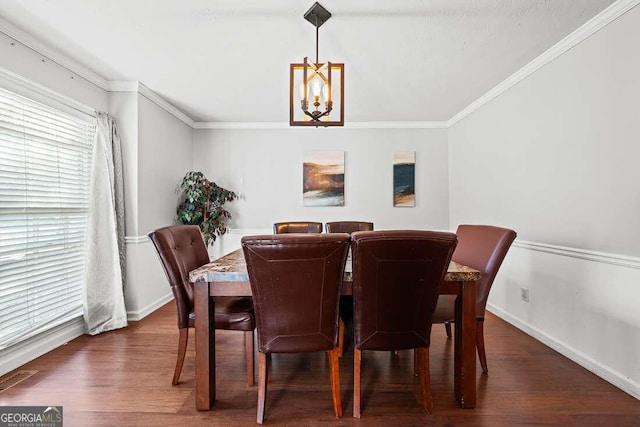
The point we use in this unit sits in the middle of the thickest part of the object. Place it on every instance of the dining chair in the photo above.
(296, 281)
(396, 281)
(346, 301)
(348, 226)
(181, 249)
(297, 227)
(482, 247)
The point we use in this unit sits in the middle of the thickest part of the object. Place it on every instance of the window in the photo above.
(45, 158)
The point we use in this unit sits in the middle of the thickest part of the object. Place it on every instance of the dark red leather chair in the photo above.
(346, 301)
(348, 226)
(297, 227)
(396, 281)
(482, 247)
(181, 249)
(296, 280)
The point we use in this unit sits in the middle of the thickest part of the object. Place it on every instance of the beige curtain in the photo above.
(104, 308)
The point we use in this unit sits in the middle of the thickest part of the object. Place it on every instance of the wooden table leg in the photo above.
(465, 347)
(205, 347)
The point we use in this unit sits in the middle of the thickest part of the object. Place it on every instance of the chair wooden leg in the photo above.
(249, 356)
(357, 361)
(447, 328)
(263, 373)
(340, 337)
(416, 365)
(182, 350)
(480, 345)
(425, 379)
(334, 372)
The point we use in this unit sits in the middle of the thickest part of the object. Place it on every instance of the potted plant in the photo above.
(201, 204)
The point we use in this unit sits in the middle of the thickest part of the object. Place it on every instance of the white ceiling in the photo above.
(228, 60)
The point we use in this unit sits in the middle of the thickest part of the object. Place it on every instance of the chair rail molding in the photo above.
(607, 258)
(134, 240)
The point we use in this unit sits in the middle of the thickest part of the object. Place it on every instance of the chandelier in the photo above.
(320, 100)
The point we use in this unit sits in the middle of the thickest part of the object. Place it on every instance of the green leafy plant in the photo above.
(202, 204)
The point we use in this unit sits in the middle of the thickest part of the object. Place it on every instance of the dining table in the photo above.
(227, 276)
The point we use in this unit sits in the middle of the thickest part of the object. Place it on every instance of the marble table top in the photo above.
(232, 268)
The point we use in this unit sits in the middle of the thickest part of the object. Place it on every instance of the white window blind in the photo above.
(45, 158)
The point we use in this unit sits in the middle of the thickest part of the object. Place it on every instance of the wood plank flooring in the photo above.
(123, 378)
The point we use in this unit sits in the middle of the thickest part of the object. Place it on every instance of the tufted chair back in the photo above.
(181, 249)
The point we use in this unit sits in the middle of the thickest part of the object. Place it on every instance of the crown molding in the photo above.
(240, 125)
(127, 86)
(165, 105)
(41, 48)
(123, 86)
(592, 26)
(396, 125)
(348, 125)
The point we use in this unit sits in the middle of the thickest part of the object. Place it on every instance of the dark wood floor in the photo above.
(123, 378)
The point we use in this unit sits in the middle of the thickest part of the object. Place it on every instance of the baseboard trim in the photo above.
(134, 316)
(24, 352)
(603, 371)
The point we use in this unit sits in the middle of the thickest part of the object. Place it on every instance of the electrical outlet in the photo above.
(524, 294)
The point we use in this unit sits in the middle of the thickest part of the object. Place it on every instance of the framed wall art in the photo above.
(404, 178)
(323, 178)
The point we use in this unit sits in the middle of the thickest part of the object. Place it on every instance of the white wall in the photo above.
(265, 168)
(555, 158)
(164, 156)
(124, 108)
(157, 152)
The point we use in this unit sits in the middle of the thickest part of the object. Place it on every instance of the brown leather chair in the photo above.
(296, 280)
(482, 247)
(181, 249)
(348, 226)
(297, 227)
(346, 301)
(396, 282)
